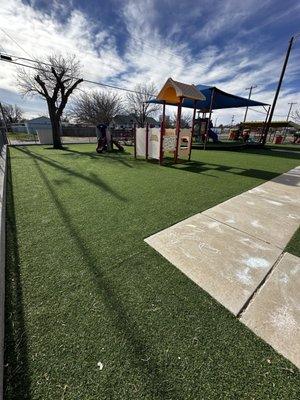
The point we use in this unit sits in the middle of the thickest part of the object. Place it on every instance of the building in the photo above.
(34, 124)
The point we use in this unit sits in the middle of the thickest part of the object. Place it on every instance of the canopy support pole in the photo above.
(178, 120)
(209, 117)
(162, 133)
(193, 129)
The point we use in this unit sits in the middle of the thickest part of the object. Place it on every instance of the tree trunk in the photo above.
(55, 123)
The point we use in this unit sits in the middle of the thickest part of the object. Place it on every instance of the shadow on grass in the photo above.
(137, 344)
(260, 151)
(272, 152)
(200, 168)
(16, 378)
(93, 178)
(114, 155)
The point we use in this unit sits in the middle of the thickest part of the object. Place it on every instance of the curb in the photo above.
(3, 173)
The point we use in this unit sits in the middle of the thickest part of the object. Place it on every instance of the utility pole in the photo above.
(250, 92)
(290, 109)
(278, 87)
(232, 120)
(287, 118)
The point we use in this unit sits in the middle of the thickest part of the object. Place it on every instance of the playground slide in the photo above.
(213, 136)
(117, 144)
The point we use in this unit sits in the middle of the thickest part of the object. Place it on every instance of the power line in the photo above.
(109, 65)
(22, 48)
(102, 61)
(265, 112)
(8, 59)
(161, 51)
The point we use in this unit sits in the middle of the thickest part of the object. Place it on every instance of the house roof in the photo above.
(123, 119)
(38, 119)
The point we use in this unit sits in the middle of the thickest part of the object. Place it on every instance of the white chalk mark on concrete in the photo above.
(230, 249)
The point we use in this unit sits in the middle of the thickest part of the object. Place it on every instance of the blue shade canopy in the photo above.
(220, 100)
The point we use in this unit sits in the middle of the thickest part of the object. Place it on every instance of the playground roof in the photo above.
(172, 91)
(221, 100)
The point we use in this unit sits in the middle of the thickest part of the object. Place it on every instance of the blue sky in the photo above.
(229, 43)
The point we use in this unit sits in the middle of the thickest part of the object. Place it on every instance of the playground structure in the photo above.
(106, 140)
(156, 143)
(203, 125)
(279, 132)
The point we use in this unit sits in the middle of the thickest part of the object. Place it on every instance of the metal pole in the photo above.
(143, 115)
(178, 121)
(162, 133)
(209, 116)
(250, 92)
(287, 119)
(193, 129)
(278, 89)
(232, 120)
(5, 125)
(290, 109)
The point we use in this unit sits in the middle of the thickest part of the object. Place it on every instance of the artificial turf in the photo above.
(82, 287)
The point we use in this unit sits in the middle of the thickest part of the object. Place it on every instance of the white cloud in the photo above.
(148, 56)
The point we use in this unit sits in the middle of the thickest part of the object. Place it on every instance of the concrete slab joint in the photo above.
(234, 251)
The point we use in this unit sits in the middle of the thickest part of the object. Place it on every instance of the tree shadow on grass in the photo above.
(92, 178)
(137, 343)
(114, 156)
(16, 375)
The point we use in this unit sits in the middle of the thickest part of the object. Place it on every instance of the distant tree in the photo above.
(12, 113)
(96, 107)
(54, 80)
(136, 103)
(168, 121)
(185, 121)
(296, 115)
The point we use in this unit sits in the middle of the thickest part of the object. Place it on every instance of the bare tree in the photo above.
(12, 113)
(54, 81)
(296, 115)
(185, 121)
(136, 103)
(96, 107)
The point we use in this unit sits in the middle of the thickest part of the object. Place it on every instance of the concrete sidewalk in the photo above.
(234, 251)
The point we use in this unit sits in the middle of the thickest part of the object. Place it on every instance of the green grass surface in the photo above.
(287, 146)
(83, 287)
(22, 137)
(294, 244)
